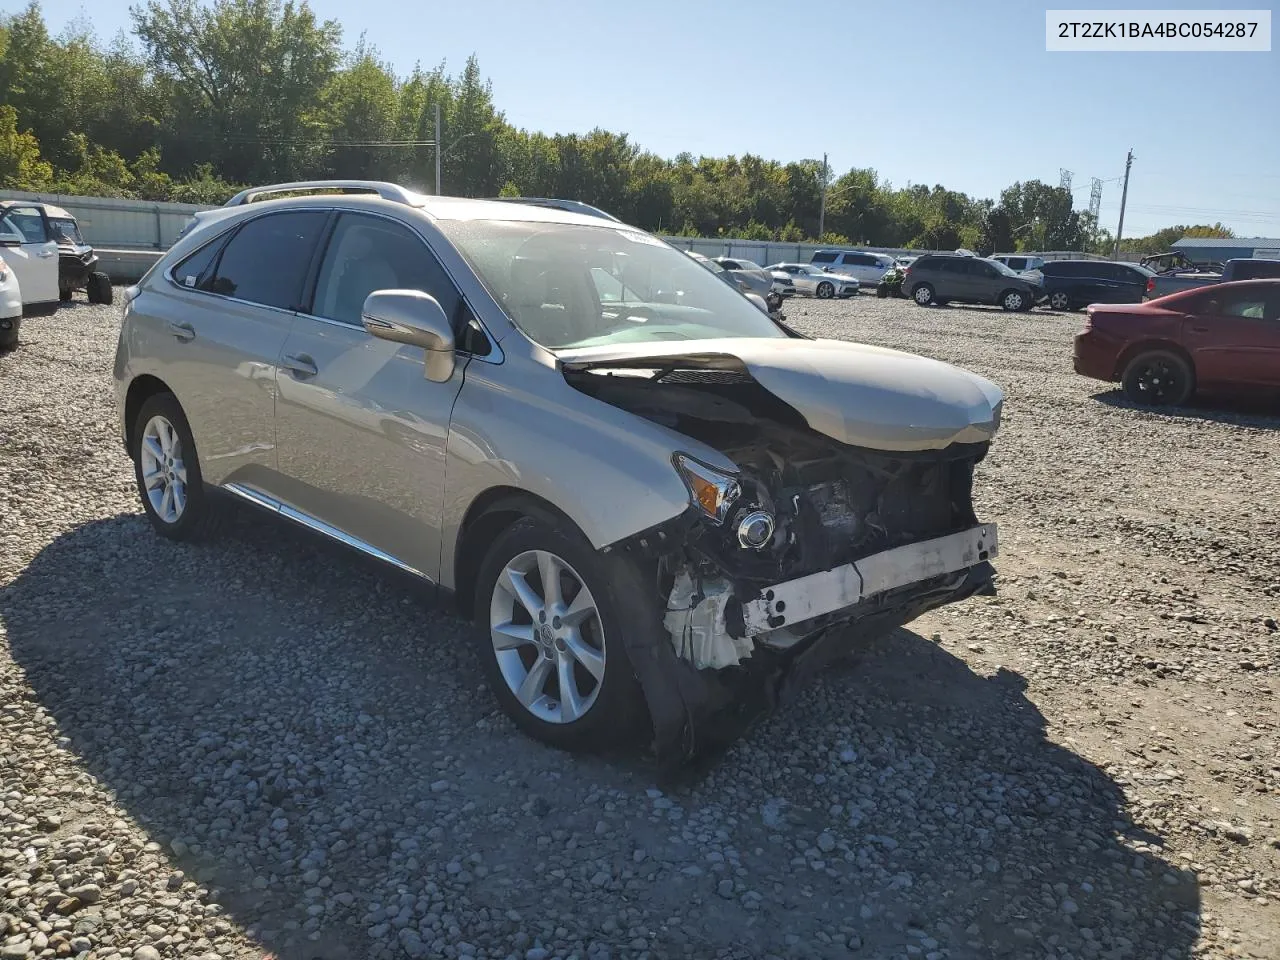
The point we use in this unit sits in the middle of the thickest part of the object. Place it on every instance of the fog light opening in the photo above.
(755, 530)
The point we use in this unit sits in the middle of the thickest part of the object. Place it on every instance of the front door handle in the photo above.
(47, 254)
(183, 331)
(1200, 329)
(300, 365)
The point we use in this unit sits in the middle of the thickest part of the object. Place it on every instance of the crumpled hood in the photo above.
(861, 395)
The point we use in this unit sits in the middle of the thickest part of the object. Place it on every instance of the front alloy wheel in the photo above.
(547, 637)
(1058, 300)
(1013, 301)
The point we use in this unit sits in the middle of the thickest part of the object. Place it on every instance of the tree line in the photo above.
(201, 98)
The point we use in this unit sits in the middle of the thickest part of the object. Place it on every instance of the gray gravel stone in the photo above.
(262, 720)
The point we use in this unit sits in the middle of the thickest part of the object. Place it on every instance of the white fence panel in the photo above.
(109, 222)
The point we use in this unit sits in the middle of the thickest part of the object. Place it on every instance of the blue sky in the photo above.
(927, 91)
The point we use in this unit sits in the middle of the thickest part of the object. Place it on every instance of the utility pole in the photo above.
(437, 106)
(822, 210)
(1124, 197)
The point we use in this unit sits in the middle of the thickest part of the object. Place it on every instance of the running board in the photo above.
(260, 499)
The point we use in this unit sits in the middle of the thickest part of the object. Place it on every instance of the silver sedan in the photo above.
(816, 282)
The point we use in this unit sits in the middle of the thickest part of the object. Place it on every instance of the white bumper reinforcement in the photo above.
(832, 590)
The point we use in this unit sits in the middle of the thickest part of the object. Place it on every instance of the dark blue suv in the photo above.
(1071, 284)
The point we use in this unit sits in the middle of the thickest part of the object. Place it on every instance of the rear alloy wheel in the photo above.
(1159, 378)
(826, 290)
(922, 294)
(1058, 300)
(548, 632)
(168, 472)
(1014, 300)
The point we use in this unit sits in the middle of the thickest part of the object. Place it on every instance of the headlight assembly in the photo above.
(710, 490)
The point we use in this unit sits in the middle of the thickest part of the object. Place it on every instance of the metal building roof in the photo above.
(1230, 242)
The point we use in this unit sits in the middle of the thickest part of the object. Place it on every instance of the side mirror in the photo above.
(759, 301)
(415, 318)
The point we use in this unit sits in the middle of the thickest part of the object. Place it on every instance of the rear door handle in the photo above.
(183, 331)
(300, 365)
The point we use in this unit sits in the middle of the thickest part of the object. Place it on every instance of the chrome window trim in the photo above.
(259, 499)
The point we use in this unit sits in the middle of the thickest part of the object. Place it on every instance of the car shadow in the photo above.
(310, 742)
(1237, 411)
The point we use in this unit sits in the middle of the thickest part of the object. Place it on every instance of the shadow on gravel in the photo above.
(308, 740)
(1238, 411)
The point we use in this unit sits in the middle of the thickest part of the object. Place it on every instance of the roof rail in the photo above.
(387, 191)
(572, 206)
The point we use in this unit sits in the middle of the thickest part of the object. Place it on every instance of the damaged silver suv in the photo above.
(662, 508)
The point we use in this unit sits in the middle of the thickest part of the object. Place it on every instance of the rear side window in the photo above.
(197, 268)
(266, 260)
(856, 260)
(823, 258)
(937, 264)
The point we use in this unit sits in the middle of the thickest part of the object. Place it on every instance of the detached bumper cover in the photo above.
(833, 590)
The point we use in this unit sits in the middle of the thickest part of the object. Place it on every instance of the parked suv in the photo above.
(1071, 284)
(655, 506)
(939, 278)
(865, 267)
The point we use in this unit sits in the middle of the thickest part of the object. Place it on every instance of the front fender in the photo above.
(519, 424)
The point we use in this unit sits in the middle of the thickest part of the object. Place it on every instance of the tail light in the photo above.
(1151, 284)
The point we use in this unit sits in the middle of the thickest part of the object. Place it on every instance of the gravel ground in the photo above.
(267, 746)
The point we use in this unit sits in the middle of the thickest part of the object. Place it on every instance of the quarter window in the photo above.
(198, 267)
(370, 253)
(266, 260)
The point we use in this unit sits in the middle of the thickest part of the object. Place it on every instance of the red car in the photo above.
(1223, 338)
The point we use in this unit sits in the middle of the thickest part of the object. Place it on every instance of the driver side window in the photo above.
(26, 223)
(370, 253)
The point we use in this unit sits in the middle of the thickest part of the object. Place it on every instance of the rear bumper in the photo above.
(1096, 356)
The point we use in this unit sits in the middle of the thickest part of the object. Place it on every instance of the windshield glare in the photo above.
(569, 285)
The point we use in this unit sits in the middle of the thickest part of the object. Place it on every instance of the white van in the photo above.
(866, 267)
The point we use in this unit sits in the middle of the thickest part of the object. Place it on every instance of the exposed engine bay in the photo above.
(844, 534)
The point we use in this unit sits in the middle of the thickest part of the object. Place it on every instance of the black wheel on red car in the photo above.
(1159, 378)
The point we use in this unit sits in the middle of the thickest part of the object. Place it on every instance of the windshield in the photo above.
(1003, 268)
(569, 285)
(66, 228)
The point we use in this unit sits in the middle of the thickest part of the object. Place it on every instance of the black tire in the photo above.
(1015, 301)
(922, 294)
(1060, 300)
(826, 290)
(200, 513)
(616, 716)
(65, 295)
(99, 288)
(1159, 378)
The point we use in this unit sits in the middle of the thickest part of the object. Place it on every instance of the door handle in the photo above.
(300, 365)
(1199, 329)
(183, 331)
(46, 254)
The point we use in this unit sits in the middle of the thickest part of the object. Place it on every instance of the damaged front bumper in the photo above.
(734, 659)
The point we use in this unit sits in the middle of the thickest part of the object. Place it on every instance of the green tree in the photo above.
(20, 165)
